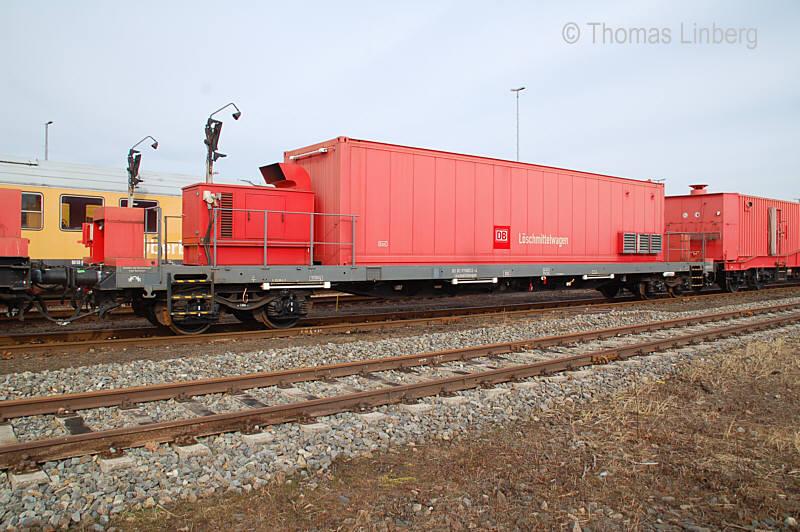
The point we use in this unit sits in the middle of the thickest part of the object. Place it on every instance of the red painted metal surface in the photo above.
(239, 227)
(418, 206)
(286, 175)
(739, 227)
(116, 237)
(11, 242)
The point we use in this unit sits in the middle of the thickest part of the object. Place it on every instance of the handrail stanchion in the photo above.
(265, 237)
(166, 239)
(214, 225)
(353, 258)
(311, 240)
(158, 217)
(704, 249)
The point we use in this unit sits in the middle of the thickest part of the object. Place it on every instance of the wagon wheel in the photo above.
(184, 327)
(150, 313)
(731, 284)
(674, 291)
(674, 288)
(274, 322)
(189, 327)
(610, 290)
(642, 290)
(755, 281)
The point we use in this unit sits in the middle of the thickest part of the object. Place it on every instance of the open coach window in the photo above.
(151, 216)
(31, 210)
(77, 210)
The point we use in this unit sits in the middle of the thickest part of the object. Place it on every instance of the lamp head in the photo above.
(49, 122)
(155, 145)
(236, 115)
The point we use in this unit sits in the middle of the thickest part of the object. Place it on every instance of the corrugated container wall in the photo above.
(417, 206)
(753, 232)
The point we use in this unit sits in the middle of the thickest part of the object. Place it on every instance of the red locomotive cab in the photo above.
(250, 225)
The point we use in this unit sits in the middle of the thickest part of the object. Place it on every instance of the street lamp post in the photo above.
(213, 129)
(46, 138)
(517, 91)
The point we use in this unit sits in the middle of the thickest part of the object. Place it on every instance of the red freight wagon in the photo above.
(418, 206)
(741, 232)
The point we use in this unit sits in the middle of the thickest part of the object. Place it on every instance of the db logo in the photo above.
(502, 238)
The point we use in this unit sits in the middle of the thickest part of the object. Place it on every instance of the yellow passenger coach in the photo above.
(57, 198)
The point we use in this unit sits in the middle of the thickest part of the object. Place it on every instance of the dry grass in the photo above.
(717, 444)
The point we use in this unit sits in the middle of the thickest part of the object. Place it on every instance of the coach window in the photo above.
(151, 216)
(31, 210)
(77, 210)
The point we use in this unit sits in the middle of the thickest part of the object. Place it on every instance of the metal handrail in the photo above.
(266, 242)
(166, 236)
(685, 251)
(157, 209)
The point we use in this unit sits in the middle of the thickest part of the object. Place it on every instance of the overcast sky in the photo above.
(428, 74)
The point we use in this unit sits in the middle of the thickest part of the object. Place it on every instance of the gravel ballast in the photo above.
(80, 492)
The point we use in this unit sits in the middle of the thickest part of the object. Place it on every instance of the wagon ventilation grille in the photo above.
(226, 215)
(656, 245)
(628, 242)
(640, 243)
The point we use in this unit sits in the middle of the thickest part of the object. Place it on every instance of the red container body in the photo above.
(116, 237)
(739, 228)
(418, 206)
(240, 232)
(11, 242)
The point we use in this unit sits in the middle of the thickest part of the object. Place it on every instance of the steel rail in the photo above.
(80, 340)
(249, 420)
(126, 397)
(47, 340)
(126, 311)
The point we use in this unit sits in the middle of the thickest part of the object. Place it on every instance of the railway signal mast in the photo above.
(134, 158)
(213, 130)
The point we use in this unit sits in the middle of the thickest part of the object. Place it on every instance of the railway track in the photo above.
(158, 335)
(263, 399)
(76, 341)
(59, 311)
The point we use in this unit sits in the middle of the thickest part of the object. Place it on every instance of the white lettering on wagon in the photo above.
(172, 249)
(543, 239)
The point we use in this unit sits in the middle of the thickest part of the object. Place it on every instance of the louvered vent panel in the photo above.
(629, 243)
(643, 244)
(226, 215)
(656, 245)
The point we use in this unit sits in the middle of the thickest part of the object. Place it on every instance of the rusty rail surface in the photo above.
(72, 341)
(249, 420)
(35, 342)
(128, 396)
(34, 316)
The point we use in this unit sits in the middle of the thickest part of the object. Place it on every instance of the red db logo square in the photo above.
(502, 237)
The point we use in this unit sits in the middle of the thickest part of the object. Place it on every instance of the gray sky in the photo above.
(428, 74)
